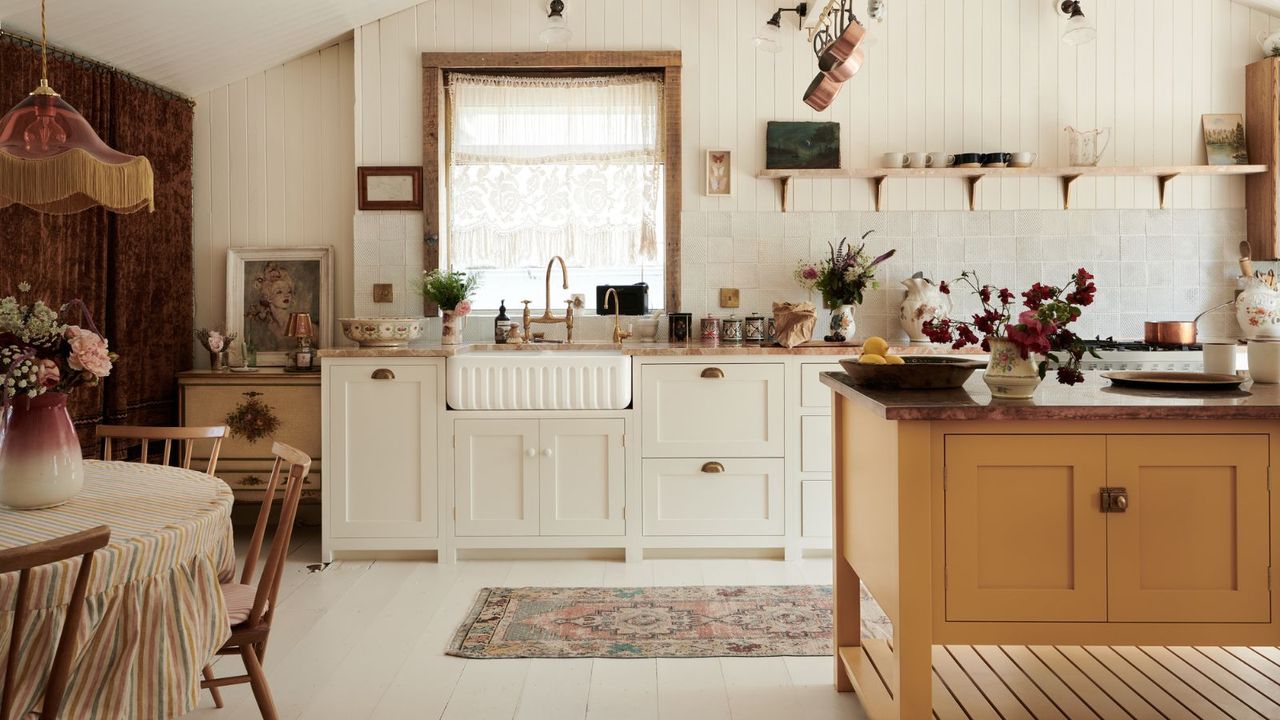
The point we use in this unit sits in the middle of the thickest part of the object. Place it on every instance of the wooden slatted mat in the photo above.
(1079, 683)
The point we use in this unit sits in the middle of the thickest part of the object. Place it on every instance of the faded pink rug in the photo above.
(645, 622)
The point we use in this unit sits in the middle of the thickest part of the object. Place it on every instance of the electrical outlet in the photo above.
(728, 297)
(383, 293)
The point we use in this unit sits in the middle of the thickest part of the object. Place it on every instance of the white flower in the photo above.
(24, 286)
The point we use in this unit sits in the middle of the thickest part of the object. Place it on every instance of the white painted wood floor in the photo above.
(366, 639)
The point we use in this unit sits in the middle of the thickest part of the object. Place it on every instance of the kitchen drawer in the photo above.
(296, 407)
(699, 410)
(686, 497)
(815, 508)
(813, 394)
(815, 443)
(248, 484)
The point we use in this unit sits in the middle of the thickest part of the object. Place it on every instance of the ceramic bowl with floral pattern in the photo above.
(382, 332)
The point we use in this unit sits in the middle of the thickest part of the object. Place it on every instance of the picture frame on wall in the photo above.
(389, 187)
(719, 173)
(1224, 139)
(802, 145)
(266, 284)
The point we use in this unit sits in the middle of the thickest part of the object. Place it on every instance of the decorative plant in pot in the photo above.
(451, 291)
(1022, 347)
(841, 279)
(42, 358)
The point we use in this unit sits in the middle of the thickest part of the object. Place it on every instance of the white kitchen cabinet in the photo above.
(530, 477)
(815, 444)
(382, 450)
(583, 477)
(813, 394)
(496, 466)
(697, 496)
(699, 410)
(815, 508)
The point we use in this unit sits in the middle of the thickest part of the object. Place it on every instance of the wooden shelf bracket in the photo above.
(971, 185)
(879, 183)
(1163, 182)
(1066, 190)
(784, 185)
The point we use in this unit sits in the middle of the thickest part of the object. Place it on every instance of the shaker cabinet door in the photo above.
(1192, 543)
(495, 466)
(726, 410)
(1025, 537)
(582, 477)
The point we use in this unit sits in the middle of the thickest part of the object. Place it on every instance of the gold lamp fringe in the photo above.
(74, 181)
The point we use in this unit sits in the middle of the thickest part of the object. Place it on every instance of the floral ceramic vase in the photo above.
(450, 328)
(842, 325)
(924, 302)
(1258, 310)
(40, 464)
(1009, 375)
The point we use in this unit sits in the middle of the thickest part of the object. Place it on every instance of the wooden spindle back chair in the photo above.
(186, 437)
(249, 636)
(23, 560)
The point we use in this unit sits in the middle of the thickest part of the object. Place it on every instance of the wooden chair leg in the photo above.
(215, 692)
(258, 681)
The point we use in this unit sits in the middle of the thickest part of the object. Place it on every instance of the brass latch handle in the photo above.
(712, 467)
(383, 374)
(1114, 499)
(712, 372)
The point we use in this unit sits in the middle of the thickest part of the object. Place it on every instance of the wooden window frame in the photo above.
(436, 65)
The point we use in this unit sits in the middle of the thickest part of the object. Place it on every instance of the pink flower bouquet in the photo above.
(40, 352)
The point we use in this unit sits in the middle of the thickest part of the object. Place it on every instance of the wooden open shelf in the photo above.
(972, 176)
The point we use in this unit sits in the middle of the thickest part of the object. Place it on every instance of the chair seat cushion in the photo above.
(239, 599)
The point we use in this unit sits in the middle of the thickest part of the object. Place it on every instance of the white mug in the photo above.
(1022, 159)
(1264, 361)
(938, 159)
(1219, 358)
(919, 160)
(893, 160)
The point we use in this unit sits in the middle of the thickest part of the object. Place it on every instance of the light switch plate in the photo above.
(383, 293)
(728, 297)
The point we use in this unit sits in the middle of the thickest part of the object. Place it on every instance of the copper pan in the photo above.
(841, 49)
(842, 70)
(1175, 332)
(821, 92)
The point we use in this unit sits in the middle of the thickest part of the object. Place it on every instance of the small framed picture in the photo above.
(267, 284)
(1224, 139)
(389, 188)
(719, 173)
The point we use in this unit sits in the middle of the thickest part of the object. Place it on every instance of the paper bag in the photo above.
(794, 323)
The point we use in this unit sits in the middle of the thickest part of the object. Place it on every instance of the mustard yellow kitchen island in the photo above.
(1093, 552)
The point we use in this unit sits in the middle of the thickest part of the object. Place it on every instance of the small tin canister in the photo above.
(770, 332)
(753, 330)
(711, 328)
(678, 326)
(731, 330)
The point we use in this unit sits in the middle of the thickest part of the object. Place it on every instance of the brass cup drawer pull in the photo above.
(383, 374)
(712, 372)
(1114, 499)
(712, 467)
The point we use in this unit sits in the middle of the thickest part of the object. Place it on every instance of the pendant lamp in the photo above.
(53, 162)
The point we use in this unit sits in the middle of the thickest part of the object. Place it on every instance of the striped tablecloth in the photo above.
(155, 614)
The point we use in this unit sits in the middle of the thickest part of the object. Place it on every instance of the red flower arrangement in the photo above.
(1042, 328)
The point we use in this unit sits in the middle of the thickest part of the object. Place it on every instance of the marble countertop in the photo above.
(1094, 399)
(638, 349)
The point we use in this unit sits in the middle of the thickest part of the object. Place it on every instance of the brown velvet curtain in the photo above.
(134, 273)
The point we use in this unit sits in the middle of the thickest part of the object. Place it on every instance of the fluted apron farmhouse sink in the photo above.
(557, 380)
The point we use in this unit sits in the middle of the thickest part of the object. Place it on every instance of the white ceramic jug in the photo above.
(924, 301)
(1087, 146)
(1258, 310)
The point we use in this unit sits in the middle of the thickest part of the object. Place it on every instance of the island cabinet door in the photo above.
(583, 477)
(495, 466)
(1025, 540)
(1192, 544)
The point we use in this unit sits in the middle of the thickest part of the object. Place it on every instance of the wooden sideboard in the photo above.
(208, 398)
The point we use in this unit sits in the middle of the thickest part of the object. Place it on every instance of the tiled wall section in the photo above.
(1150, 264)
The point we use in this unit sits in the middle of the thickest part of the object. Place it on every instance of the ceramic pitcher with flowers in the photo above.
(1258, 310)
(924, 302)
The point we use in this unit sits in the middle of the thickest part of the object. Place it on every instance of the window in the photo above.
(544, 166)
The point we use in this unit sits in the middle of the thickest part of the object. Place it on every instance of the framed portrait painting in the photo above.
(267, 284)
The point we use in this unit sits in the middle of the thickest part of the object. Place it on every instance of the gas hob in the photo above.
(1137, 355)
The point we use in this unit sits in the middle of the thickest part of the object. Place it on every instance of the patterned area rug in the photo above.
(645, 622)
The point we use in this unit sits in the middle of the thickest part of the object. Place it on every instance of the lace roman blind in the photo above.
(554, 166)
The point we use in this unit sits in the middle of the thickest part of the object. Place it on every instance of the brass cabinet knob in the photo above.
(383, 374)
(1121, 502)
(712, 372)
(1114, 499)
(712, 467)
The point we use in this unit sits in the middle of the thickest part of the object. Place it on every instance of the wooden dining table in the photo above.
(154, 612)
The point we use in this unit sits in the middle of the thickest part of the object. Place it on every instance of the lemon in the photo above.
(894, 360)
(871, 359)
(876, 346)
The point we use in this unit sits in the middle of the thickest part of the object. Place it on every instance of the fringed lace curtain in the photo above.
(554, 166)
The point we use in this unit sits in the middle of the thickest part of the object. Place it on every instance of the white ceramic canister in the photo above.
(1258, 310)
(1264, 361)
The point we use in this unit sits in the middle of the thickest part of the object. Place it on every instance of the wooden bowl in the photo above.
(917, 373)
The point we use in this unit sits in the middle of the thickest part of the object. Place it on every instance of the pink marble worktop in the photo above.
(638, 349)
(1094, 399)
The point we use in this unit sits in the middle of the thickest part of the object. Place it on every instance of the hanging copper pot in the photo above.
(841, 49)
(844, 69)
(821, 92)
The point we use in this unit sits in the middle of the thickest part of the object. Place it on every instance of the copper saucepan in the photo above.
(1175, 332)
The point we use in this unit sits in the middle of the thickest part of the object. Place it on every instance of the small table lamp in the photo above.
(300, 327)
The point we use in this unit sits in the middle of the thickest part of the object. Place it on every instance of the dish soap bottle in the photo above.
(501, 324)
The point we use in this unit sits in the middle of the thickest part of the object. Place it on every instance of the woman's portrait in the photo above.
(270, 284)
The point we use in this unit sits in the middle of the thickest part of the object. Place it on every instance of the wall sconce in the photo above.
(557, 31)
(1078, 29)
(767, 39)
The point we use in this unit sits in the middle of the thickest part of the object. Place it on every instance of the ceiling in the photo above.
(192, 46)
(1267, 6)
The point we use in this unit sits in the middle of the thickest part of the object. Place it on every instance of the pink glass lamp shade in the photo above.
(53, 162)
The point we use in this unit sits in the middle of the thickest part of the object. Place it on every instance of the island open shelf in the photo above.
(972, 176)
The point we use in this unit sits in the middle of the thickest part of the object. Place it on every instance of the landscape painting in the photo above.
(802, 145)
(1224, 139)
